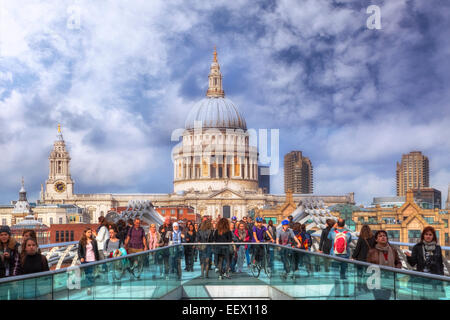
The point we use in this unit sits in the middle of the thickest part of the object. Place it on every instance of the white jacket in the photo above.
(101, 238)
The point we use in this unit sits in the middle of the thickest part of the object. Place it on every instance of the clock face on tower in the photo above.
(60, 186)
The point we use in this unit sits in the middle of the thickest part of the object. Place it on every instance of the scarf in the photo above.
(390, 262)
(242, 234)
(153, 240)
(429, 246)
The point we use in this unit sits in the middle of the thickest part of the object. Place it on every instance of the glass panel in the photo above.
(273, 272)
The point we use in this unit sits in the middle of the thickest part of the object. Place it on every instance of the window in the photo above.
(40, 220)
(393, 235)
(180, 211)
(57, 236)
(67, 235)
(389, 220)
(4, 222)
(429, 220)
(163, 211)
(445, 222)
(71, 235)
(60, 221)
(414, 236)
(172, 211)
(51, 220)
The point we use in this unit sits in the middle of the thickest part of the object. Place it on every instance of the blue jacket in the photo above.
(331, 236)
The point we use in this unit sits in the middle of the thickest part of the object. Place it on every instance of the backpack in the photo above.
(340, 242)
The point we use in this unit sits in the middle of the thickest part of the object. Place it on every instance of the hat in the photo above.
(5, 229)
(284, 222)
(234, 218)
(259, 219)
(175, 224)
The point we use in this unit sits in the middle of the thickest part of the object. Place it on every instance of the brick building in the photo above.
(177, 213)
(68, 232)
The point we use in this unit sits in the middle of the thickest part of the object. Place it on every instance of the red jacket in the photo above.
(236, 235)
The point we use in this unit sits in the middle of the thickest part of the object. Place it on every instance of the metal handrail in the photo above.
(445, 248)
(58, 244)
(326, 256)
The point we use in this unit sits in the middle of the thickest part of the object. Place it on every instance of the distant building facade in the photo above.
(388, 202)
(447, 206)
(69, 231)
(298, 173)
(412, 173)
(405, 223)
(264, 178)
(280, 212)
(429, 198)
(48, 214)
(177, 213)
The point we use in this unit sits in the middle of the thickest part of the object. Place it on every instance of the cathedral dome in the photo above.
(216, 113)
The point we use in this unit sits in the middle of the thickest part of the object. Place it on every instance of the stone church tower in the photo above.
(59, 185)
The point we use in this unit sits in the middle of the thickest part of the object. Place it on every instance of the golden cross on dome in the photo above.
(59, 128)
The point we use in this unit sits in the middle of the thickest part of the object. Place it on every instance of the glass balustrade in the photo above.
(296, 273)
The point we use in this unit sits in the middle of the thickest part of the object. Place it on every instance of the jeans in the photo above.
(287, 259)
(247, 255)
(189, 258)
(342, 265)
(176, 261)
(233, 259)
(223, 258)
(89, 277)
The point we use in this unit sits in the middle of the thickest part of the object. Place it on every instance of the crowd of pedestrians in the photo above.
(17, 259)
(232, 253)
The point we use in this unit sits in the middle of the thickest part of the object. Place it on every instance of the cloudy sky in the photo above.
(121, 76)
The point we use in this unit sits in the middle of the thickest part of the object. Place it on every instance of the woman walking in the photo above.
(31, 260)
(427, 254)
(113, 244)
(383, 254)
(88, 252)
(427, 257)
(241, 235)
(189, 250)
(366, 241)
(223, 234)
(205, 235)
(9, 253)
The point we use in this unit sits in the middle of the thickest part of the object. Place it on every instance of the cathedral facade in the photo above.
(215, 167)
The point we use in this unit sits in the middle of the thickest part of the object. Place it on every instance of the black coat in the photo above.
(205, 236)
(325, 243)
(2, 268)
(82, 251)
(164, 238)
(362, 248)
(189, 239)
(34, 263)
(417, 258)
(225, 237)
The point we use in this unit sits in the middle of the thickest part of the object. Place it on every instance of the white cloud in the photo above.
(335, 91)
